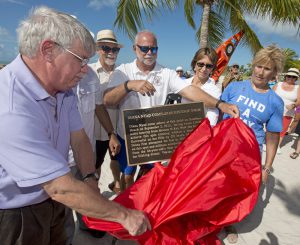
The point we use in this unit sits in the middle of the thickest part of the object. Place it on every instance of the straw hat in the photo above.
(107, 36)
(293, 72)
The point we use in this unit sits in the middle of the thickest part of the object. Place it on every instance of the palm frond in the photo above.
(286, 11)
(189, 6)
(237, 23)
(130, 13)
(129, 17)
(291, 59)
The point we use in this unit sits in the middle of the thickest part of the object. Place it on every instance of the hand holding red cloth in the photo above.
(211, 181)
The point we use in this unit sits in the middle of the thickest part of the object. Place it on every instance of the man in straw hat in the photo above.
(100, 126)
(108, 49)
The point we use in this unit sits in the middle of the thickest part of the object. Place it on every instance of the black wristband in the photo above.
(91, 175)
(126, 87)
(219, 102)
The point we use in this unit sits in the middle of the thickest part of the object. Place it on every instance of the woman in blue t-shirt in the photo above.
(260, 107)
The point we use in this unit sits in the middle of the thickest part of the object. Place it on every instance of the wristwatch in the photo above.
(94, 175)
(219, 102)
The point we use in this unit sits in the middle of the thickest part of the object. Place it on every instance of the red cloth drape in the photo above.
(211, 181)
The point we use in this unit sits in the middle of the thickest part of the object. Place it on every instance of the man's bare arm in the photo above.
(105, 121)
(87, 201)
(113, 96)
(82, 151)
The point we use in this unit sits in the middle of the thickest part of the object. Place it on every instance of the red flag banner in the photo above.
(212, 181)
(224, 51)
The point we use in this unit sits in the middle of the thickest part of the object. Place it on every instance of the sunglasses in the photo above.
(289, 76)
(107, 49)
(236, 67)
(208, 66)
(145, 49)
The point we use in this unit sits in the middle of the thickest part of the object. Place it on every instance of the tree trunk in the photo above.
(204, 25)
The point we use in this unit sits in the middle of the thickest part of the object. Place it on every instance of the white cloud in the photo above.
(3, 32)
(8, 45)
(98, 4)
(265, 25)
(13, 1)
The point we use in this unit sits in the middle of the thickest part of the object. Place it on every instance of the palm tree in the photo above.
(291, 59)
(217, 16)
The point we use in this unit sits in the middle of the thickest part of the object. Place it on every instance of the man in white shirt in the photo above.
(108, 49)
(145, 83)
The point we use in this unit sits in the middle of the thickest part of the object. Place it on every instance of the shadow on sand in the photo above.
(291, 201)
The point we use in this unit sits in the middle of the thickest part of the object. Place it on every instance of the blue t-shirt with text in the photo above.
(256, 109)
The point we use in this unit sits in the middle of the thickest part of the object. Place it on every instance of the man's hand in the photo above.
(141, 86)
(230, 109)
(136, 222)
(114, 145)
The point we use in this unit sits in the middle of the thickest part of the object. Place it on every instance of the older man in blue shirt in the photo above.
(39, 120)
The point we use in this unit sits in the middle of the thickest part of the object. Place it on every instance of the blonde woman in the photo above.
(259, 107)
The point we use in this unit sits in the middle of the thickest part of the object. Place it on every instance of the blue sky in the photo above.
(176, 40)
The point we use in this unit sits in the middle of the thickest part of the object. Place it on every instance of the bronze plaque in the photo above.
(152, 134)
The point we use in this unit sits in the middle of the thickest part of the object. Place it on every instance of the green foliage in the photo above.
(223, 13)
(291, 59)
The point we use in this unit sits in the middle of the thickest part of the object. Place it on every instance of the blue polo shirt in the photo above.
(34, 135)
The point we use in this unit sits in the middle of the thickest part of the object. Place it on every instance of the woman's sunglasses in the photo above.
(107, 49)
(145, 49)
(208, 66)
(288, 76)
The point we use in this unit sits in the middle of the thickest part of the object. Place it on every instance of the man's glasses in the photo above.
(83, 61)
(107, 49)
(145, 49)
(235, 66)
(289, 76)
(208, 66)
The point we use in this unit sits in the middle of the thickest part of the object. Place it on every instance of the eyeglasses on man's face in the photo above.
(84, 61)
(108, 49)
(201, 64)
(145, 49)
(236, 66)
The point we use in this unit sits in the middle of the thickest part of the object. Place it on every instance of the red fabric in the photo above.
(211, 181)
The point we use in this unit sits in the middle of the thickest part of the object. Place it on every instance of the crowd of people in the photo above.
(62, 115)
